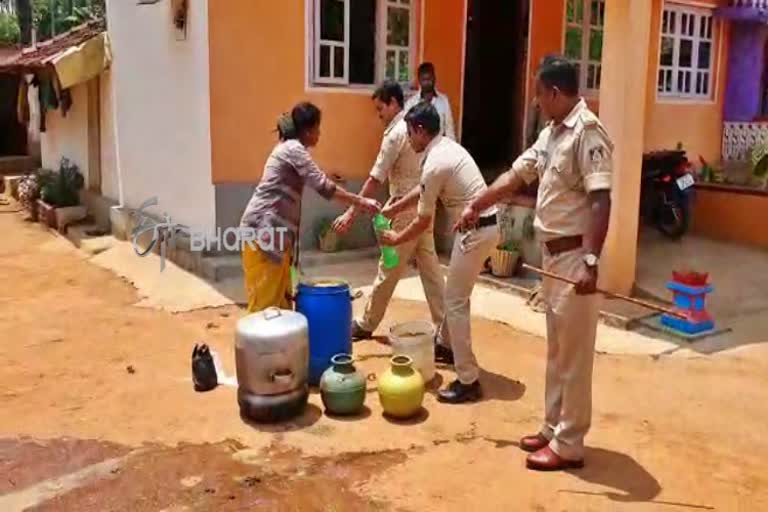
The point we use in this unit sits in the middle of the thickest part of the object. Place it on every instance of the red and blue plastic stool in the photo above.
(690, 301)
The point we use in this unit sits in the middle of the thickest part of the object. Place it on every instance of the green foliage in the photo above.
(760, 161)
(510, 246)
(66, 14)
(9, 29)
(61, 189)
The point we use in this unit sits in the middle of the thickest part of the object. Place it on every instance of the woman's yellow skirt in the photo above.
(267, 283)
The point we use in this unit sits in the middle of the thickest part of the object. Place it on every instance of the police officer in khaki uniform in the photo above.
(572, 160)
(450, 174)
(397, 163)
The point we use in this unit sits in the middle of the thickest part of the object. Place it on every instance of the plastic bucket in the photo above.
(417, 341)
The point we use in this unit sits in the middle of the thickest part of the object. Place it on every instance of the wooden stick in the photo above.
(645, 304)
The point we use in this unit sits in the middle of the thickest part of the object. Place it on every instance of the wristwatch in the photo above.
(591, 260)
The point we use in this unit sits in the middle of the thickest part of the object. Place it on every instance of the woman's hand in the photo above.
(368, 205)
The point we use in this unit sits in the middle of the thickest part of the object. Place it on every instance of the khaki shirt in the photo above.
(450, 174)
(397, 160)
(570, 160)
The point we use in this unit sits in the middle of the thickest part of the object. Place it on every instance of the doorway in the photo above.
(494, 82)
(13, 135)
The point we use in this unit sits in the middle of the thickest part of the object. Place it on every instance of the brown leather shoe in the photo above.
(533, 443)
(547, 460)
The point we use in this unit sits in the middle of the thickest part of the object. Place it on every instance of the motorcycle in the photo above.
(666, 192)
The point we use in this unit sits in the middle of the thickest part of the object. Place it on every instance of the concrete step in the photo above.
(228, 266)
(17, 164)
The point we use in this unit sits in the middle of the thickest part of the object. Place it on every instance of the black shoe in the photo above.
(458, 393)
(358, 333)
(443, 354)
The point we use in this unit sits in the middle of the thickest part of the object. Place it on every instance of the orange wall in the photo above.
(547, 36)
(730, 216)
(444, 46)
(258, 71)
(698, 125)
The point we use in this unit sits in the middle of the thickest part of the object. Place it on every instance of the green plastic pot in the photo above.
(342, 389)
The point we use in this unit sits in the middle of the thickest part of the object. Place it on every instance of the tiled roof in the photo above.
(35, 57)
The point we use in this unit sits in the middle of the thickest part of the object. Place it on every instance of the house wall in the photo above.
(161, 90)
(724, 214)
(67, 136)
(698, 124)
(110, 186)
(258, 70)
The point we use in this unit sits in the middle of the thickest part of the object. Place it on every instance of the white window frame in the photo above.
(314, 44)
(672, 74)
(586, 27)
(344, 79)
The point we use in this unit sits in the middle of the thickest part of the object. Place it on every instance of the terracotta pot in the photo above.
(328, 242)
(504, 263)
(401, 389)
(46, 214)
(342, 388)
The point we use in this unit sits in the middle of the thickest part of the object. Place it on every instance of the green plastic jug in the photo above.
(389, 256)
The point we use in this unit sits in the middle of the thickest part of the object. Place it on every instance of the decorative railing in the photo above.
(754, 4)
(740, 138)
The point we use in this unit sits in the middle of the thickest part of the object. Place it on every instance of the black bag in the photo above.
(203, 370)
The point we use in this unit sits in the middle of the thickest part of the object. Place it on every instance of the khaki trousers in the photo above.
(423, 249)
(467, 260)
(571, 331)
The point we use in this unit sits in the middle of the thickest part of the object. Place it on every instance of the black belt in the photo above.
(484, 222)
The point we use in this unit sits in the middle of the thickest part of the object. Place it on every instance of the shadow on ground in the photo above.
(628, 480)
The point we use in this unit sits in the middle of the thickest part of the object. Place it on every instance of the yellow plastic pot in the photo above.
(401, 388)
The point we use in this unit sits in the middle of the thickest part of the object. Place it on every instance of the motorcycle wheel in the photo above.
(672, 220)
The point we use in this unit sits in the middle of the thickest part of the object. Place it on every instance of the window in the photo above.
(584, 20)
(685, 57)
(361, 42)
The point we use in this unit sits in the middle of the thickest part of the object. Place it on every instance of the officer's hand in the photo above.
(391, 209)
(586, 280)
(389, 238)
(467, 220)
(344, 222)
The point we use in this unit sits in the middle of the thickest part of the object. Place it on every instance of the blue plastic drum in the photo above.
(327, 305)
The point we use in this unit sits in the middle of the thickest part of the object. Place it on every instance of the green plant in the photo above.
(61, 189)
(9, 29)
(760, 163)
(51, 17)
(509, 246)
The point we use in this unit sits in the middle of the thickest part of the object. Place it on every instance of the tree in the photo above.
(53, 17)
(24, 18)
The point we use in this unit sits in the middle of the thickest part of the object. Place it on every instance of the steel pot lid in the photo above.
(272, 323)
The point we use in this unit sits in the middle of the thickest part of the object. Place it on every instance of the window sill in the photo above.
(682, 100)
(352, 89)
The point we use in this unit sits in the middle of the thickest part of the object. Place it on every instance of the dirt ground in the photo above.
(98, 413)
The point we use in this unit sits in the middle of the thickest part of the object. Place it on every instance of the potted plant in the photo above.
(29, 193)
(504, 258)
(327, 238)
(59, 201)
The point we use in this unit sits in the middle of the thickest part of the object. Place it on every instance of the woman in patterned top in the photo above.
(274, 210)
